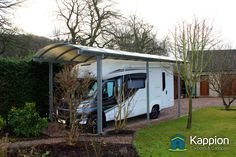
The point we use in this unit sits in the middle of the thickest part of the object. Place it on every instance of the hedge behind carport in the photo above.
(23, 81)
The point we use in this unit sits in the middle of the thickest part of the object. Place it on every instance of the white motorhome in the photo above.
(130, 75)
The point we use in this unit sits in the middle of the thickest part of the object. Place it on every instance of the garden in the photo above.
(26, 131)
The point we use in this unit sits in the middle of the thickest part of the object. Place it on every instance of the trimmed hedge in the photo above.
(1, 123)
(23, 81)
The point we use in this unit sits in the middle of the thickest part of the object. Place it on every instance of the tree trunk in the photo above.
(189, 123)
(227, 107)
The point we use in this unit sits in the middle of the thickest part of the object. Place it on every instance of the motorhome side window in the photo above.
(136, 83)
(108, 89)
(163, 81)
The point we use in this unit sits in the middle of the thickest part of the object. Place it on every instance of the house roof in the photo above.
(220, 60)
(64, 52)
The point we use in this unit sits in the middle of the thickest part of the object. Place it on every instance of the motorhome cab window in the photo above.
(108, 89)
(136, 83)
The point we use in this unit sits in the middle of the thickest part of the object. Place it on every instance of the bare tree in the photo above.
(135, 35)
(21, 45)
(6, 4)
(6, 28)
(72, 90)
(87, 21)
(124, 98)
(6, 38)
(221, 78)
(6, 7)
(190, 40)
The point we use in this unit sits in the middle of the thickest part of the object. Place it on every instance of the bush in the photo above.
(1, 123)
(25, 121)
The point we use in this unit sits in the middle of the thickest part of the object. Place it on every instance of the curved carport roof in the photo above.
(69, 53)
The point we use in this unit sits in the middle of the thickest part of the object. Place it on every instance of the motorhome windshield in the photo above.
(107, 89)
(92, 89)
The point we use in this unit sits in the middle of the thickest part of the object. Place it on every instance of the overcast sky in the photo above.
(37, 16)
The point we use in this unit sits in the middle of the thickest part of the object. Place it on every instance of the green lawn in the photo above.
(154, 140)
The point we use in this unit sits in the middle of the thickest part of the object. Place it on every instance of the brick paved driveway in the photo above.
(171, 113)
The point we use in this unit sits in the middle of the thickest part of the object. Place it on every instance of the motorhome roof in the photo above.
(69, 53)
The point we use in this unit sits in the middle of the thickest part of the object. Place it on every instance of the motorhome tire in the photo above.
(155, 112)
(92, 124)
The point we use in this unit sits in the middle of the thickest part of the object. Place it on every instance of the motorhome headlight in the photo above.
(84, 107)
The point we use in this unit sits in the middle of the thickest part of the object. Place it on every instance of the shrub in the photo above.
(26, 121)
(2, 153)
(1, 123)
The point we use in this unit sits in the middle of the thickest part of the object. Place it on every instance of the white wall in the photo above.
(198, 88)
(212, 93)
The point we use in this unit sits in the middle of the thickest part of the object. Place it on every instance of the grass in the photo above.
(154, 140)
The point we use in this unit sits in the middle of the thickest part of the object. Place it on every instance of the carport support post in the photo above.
(178, 89)
(50, 91)
(147, 95)
(99, 94)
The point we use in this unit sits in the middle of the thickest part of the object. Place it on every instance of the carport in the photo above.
(68, 53)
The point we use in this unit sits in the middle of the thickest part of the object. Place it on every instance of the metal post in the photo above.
(147, 95)
(178, 89)
(99, 94)
(50, 91)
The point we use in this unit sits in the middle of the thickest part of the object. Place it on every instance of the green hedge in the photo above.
(1, 123)
(23, 81)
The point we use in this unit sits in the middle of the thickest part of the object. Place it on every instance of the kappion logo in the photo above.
(177, 143)
(194, 140)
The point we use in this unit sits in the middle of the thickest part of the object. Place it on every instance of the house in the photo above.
(221, 67)
(220, 63)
